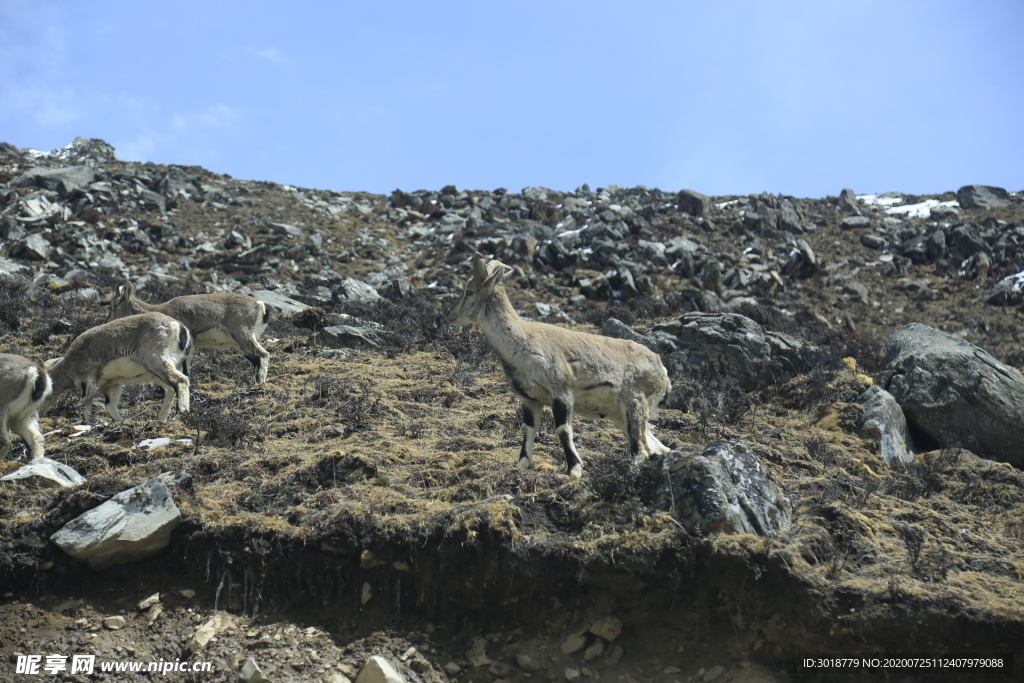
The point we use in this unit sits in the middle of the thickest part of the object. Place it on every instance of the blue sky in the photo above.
(800, 98)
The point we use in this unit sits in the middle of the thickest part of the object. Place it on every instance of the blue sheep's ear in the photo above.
(501, 271)
(479, 267)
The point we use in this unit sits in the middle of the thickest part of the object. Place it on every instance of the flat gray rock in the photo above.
(63, 180)
(285, 304)
(45, 473)
(982, 197)
(347, 337)
(855, 222)
(872, 241)
(133, 525)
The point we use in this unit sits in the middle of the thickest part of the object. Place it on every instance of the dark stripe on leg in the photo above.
(634, 440)
(529, 419)
(564, 429)
(561, 411)
(572, 458)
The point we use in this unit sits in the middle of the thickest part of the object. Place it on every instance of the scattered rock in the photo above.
(608, 628)
(855, 223)
(873, 241)
(251, 672)
(527, 663)
(573, 644)
(714, 674)
(593, 651)
(201, 638)
(477, 653)
(114, 623)
(379, 670)
(146, 603)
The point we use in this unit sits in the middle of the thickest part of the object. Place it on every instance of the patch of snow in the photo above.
(569, 233)
(724, 204)
(79, 430)
(886, 199)
(920, 210)
(159, 442)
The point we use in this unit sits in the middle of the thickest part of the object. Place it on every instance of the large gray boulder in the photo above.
(693, 203)
(44, 473)
(63, 180)
(982, 197)
(884, 423)
(737, 339)
(848, 202)
(789, 220)
(956, 392)
(721, 488)
(133, 525)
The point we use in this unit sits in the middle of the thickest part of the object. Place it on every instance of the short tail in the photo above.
(184, 338)
(269, 313)
(42, 386)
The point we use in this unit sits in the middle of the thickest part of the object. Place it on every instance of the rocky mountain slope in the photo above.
(363, 502)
